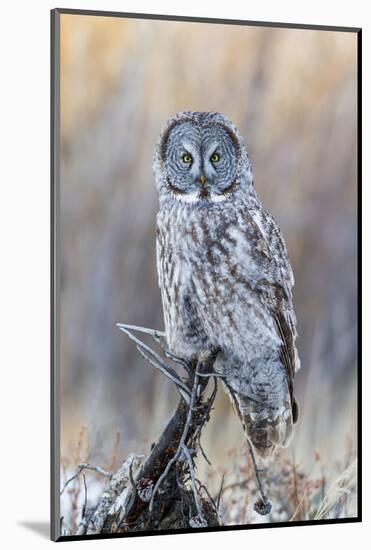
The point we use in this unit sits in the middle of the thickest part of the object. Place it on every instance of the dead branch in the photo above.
(155, 360)
(162, 491)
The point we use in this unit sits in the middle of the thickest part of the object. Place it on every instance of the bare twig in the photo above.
(264, 506)
(197, 435)
(82, 467)
(85, 497)
(202, 449)
(212, 374)
(206, 490)
(187, 455)
(156, 361)
(157, 335)
(220, 492)
(178, 360)
(234, 485)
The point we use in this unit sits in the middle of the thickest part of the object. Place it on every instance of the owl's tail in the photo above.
(268, 414)
(267, 431)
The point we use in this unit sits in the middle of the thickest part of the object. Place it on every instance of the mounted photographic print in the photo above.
(205, 255)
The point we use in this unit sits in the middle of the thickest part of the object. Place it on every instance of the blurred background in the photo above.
(292, 93)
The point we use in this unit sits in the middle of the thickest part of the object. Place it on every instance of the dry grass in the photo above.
(84, 492)
(297, 494)
(326, 491)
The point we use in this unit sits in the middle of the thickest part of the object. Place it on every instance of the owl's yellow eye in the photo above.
(215, 157)
(187, 158)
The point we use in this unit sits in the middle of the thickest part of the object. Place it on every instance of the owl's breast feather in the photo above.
(216, 278)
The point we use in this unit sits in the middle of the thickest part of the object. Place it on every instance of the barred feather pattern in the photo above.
(226, 284)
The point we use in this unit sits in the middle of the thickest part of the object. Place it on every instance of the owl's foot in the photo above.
(206, 360)
(207, 355)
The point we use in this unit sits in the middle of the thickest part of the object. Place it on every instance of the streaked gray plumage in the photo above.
(224, 272)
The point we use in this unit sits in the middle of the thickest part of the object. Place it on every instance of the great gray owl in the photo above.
(224, 272)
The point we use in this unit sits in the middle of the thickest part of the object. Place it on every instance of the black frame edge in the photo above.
(194, 19)
(359, 271)
(54, 278)
(246, 527)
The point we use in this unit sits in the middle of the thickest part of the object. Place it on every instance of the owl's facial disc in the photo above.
(201, 163)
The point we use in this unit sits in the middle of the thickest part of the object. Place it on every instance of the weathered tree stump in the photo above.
(161, 491)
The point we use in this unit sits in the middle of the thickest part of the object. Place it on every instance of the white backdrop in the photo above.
(24, 246)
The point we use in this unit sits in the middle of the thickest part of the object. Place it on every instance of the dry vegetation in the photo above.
(297, 494)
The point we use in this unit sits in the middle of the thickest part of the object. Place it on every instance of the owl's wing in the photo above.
(261, 376)
(278, 281)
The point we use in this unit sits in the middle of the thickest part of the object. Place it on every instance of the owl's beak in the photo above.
(202, 180)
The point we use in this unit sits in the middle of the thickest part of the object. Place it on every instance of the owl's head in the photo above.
(201, 158)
